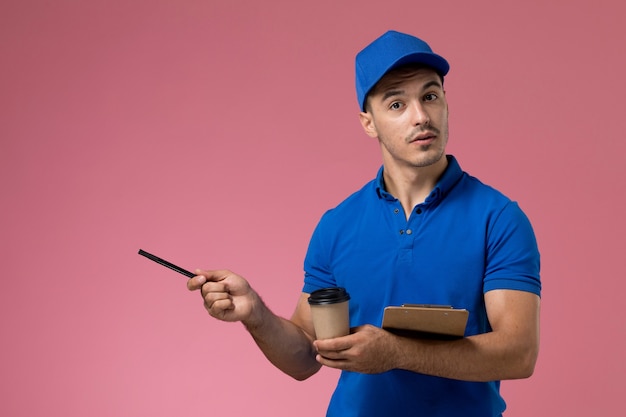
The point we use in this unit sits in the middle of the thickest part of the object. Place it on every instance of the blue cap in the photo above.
(390, 51)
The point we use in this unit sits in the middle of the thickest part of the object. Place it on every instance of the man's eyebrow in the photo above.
(432, 83)
(398, 92)
(391, 93)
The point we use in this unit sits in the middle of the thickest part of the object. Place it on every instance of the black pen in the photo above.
(166, 264)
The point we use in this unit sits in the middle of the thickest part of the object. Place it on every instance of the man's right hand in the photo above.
(227, 296)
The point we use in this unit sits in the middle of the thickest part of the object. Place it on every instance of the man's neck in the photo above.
(411, 185)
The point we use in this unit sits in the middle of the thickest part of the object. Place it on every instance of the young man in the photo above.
(422, 232)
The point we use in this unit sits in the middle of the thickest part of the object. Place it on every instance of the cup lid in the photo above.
(330, 295)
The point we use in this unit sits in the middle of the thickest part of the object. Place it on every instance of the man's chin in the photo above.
(429, 159)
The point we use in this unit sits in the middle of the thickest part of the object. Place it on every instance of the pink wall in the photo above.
(216, 135)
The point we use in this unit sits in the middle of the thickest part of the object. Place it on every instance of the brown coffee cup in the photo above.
(330, 313)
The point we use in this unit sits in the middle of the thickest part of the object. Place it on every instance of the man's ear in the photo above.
(368, 124)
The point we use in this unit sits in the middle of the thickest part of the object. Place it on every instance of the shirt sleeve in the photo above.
(513, 260)
(317, 271)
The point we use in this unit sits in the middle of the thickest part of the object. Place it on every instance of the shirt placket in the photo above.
(406, 231)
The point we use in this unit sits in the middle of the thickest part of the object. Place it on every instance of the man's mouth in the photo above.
(423, 138)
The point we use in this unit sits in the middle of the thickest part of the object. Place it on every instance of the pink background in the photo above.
(215, 134)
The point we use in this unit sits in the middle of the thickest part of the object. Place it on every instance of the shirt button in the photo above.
(409, 231)
(401, 232)
(418, 211)
(396, 211)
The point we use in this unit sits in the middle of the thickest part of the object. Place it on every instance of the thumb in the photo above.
(196, 282)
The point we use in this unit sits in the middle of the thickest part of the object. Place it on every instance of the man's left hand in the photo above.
(368, 349)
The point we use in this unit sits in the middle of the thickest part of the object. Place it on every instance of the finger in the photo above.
(196, 282)
(212, 296)
(217, 275)
(219, 307)
(333, 345)
(332, 354)
(217, 297)
(213, 287)
(332, 363)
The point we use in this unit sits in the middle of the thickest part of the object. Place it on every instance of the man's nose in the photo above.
(419, 115)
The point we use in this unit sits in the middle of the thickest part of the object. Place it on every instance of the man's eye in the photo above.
(395, 106)
(430, 97)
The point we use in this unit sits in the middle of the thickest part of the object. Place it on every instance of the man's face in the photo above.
(408, 113)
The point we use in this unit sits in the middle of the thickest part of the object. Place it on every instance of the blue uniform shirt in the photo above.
(465, 239)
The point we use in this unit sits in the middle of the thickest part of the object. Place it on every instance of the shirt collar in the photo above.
(448, 179)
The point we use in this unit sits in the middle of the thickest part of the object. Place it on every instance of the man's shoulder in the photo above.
(472, 188)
